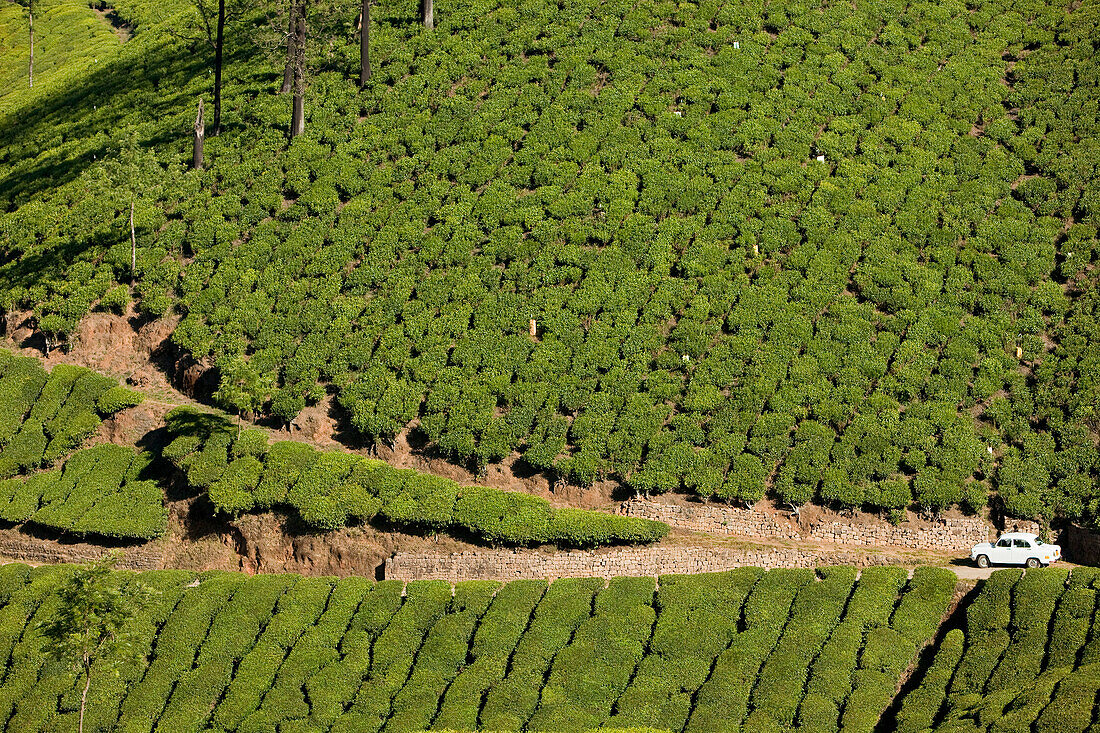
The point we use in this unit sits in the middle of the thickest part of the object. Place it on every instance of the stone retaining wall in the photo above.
(954, 534)
(960, 533)
(712, 519)
(508, 565)
(15, 545)
(1080, 546)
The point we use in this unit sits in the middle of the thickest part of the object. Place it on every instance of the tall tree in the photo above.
(213, 21)
(90, 623)
(31, 6)
(364, 44)
(288, 72)
(200, 136)
(427, 14)
(219, 48)
(297, 117)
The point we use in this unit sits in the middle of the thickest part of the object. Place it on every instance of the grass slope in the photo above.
(69, 38)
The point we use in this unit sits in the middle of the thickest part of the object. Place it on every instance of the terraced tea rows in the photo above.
(1027, 659)
(746, 649)
(241, 471)
(99, 491)
(45, 415)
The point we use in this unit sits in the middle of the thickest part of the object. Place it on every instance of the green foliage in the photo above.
(1021, 663)
(801, 266)
(90, 621)
(722, 651)
(47, 416)
(330, 490)
(99, 492)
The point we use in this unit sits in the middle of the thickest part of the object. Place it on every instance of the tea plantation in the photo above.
(804, 249)
(45, 415)
(1028, 658)
(241, 472)
(100, 491)
(113, 491)
(743, 650)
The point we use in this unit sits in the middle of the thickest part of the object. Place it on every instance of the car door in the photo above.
(1022, 550)
(1001, 552)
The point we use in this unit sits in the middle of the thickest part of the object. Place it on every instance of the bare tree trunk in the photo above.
(200, 134)
(427, 14)
(364, 45)
(30, 27)
(133, 243)
(297, 118)
(288, 72)
(219, 44)
(84, 698)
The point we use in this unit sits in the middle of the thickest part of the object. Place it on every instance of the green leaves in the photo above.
(330, 490)
(99, 492)
(93, 611)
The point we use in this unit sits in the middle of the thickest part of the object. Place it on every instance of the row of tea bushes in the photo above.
(228, 652)
(46, 415)
(241, 472)
(99, 491)
(1028, 658)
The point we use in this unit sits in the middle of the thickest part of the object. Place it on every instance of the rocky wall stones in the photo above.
(507, 565)
(949, 533)
(15, 545)
(960, 533)
(1080, 546)
(713, 520)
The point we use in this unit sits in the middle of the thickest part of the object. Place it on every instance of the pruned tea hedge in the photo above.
(241, 472)
(99, 491)
(1027, 659)
(228, 652)
(46, 415)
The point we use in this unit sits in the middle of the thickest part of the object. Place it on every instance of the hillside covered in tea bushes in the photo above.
(112, 491)
(721, 652)
(1027, 658)
(242, 472)
(745, 650)
(804, 249)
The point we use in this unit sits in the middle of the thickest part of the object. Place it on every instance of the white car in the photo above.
(1015, 548)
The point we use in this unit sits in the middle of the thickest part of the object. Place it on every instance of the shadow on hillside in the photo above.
(53, 261)
(914, 676)
(66, 131)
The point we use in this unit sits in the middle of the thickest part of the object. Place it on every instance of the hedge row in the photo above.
(242, 472)
(227, 652)
(44, 416)
(697, 618)
(99, 491)
(1023, 661)
(589, 676)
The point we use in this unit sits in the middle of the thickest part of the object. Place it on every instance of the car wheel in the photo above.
(1033, 562)
(983, 561)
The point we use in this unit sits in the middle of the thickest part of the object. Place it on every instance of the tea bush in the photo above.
(1020, 663)
(45, 416)
(230, 652)
(99, 492)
